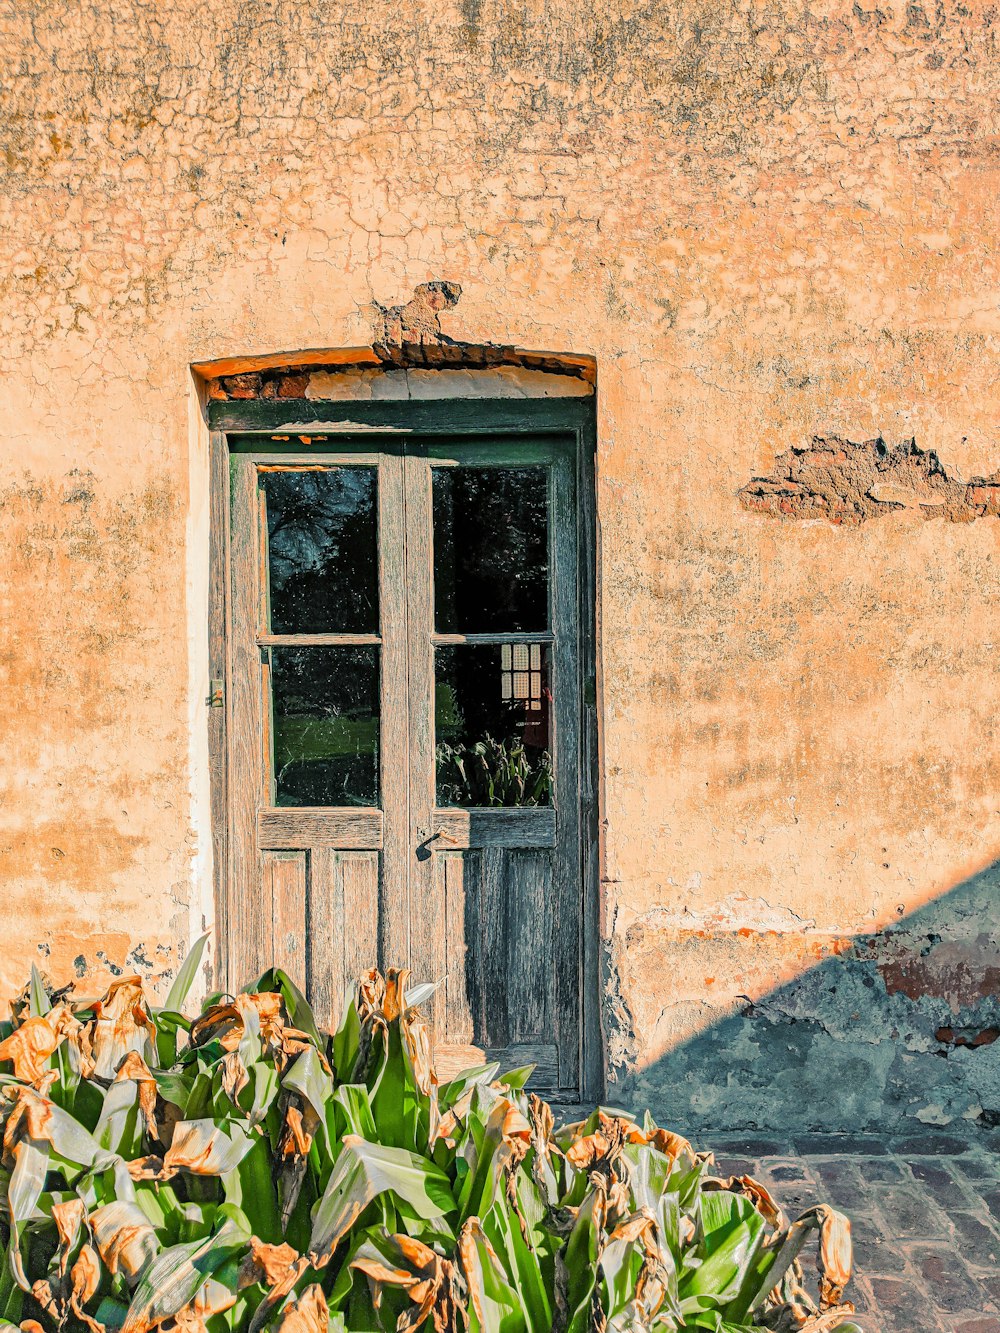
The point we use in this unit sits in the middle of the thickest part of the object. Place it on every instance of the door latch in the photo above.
(424, 848)
(216, 694)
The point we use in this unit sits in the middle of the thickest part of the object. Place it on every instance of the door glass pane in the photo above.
(492, 704)
(322, 567)
(491, 559)
(325, 725)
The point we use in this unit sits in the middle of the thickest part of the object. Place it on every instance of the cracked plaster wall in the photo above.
(766, 221)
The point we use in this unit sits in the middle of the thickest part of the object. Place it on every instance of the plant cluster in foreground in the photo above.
(245, 1171)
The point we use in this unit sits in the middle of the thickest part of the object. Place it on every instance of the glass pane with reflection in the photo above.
(491, 558)
(321, 535)
(492, 709)
(325, 725)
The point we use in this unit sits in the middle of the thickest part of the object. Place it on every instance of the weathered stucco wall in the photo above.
(767, 222)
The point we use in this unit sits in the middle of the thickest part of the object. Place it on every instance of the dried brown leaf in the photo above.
(85, 1275)
(125, 1240)
(828, 1321)
(134, 1067)
(30, 1046)
(31, 1116)
(267, 1264)
(835, 1255)
(68, 1218)
(121, 1023)
(150, 1168)
(309, 1314)
(234, 1075)
(44, 1295)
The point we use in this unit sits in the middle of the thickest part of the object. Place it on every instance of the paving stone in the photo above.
(980, 1245)
(734, 1166)
(950, 1286)
(931, 1145)
(860, 1295)
(935, 1177)
(903, 1308)
(841, 1182)
(794, 1197)
(853, 1145)
(976, 1166)
(874, 1251)
(784, 1172)
(882, 1169)
(910, 1214)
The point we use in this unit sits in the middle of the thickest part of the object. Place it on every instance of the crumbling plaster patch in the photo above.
(851, 483)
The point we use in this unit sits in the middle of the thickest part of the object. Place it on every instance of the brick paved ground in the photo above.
(925, 1214)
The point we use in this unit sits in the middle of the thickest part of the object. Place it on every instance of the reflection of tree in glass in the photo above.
(321, 546)
(491, 549)
(325, 709)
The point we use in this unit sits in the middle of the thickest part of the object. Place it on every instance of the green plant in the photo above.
(244, 1171)
(493, 772)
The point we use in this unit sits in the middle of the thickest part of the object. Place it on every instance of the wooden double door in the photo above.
(404, 732)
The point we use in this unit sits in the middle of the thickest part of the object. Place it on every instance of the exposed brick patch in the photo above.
(292, 381)
(849, 483)
(417, 322)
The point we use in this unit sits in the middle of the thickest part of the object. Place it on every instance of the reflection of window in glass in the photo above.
(493, 744)
(521, 674)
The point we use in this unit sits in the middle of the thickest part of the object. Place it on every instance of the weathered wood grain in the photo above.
(528, 827)
(284, 881)
(288, 827)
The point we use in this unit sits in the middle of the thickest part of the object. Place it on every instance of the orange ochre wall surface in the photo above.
(766, 222)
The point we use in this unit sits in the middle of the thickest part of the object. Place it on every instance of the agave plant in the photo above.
(245, 1171)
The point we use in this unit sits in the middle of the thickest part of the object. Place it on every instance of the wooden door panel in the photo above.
(283, 882)
(343, 926)
(498, 997)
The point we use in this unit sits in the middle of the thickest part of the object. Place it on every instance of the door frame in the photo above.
(305, 421)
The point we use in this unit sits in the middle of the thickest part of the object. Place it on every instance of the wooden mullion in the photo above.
(319, 640)
(449, 640)
(218, 670)
(428, 957)
(567, 933)
(393, 933)
(249, 918)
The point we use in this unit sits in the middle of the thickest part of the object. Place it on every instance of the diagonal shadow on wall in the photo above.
(898, 1030)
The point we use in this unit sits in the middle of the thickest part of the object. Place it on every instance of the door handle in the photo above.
(424, 848)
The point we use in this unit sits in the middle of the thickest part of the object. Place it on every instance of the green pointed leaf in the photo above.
(185, 977)
(177, 1274)
(31, 1159)
(364, 1171)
